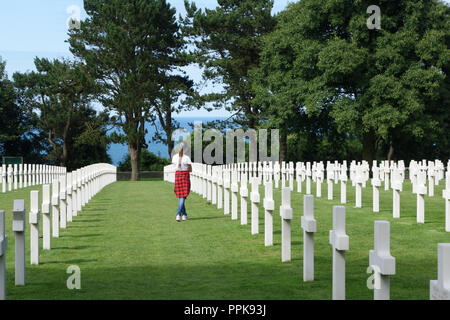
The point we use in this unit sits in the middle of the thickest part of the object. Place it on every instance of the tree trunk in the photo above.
(368, 152)
(391, 151)
(283, 147)
(135, 155)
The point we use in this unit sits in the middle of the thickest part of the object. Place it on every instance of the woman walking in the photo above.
(182, 181)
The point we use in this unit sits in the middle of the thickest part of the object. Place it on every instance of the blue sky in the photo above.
(30, 28)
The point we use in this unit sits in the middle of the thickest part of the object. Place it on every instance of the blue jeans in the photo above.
(181, 208)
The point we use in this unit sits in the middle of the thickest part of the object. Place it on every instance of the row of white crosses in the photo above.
(380, 260)
(68, 195)
(18, 176)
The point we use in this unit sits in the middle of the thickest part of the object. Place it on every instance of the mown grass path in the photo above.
(129, 246)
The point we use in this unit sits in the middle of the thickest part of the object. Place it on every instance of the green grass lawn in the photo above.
(129, 246)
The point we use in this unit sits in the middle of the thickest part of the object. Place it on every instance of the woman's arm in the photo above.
(189, 168)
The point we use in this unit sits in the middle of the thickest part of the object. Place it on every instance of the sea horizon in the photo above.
(118, 152)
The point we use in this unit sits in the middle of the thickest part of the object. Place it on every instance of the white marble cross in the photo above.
(46, 221)
(291, 175)
(286, 217)
(276, 173)
(298, 176)
(62, 201)
(244, 196)
(309, 227)
(308, 177)
(359, 180)
(209, 182)
(34, 227)
(69, 196)
(226, 191)
(4, 175)
(55, 208)
(254, 198)
(376, 183)
(269, 206)
(421, 191)
(440, 288)
(387, 170)
(343, 178)
(337, 170)
(397, 186)
(20, 176)
(214, 185)
(75, 193)
(19, 218)
(431, 176)
(234, 195)
(381, 261)
(3, 247)
(25, 175)
(340, 243)
(10, 177)
(446, 196)
(330, 178)
(16, 176)
(319, 179)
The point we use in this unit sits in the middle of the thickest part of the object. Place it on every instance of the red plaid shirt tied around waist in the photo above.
(182, 184)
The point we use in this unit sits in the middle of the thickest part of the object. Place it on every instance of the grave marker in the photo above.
(62, 201)
(3, 178)
(226, 193)
(343, 177)
(244, 196)
(34, 227)
(269, 206)
(330, 178)
(19, 238)
(381, 261)
(69, 197)
(46, 223)
(308, 178)
(16, 176)
(286, 217)
(55, 208)
(440, 288)
(309, 227)
(446, 196)
(340, 242)
(376, 183)
(234, 195)
(421, 191)
(276, 173)
(254, 198)
(3, 247)
(396, 188)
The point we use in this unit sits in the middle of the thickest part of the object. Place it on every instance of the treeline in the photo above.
(335, 88)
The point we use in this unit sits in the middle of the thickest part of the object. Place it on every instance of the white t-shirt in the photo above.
(185, 162)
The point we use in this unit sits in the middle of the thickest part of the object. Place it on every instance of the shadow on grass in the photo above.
(69, 261)
(83, 235)
(74, 248)
(207, 218)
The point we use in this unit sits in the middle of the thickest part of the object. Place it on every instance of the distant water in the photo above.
(118, 152)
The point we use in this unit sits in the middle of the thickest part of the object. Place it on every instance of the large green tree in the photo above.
(18, 135)
(59, 94)
(227, 43)
(130, 48)
(375, 83)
